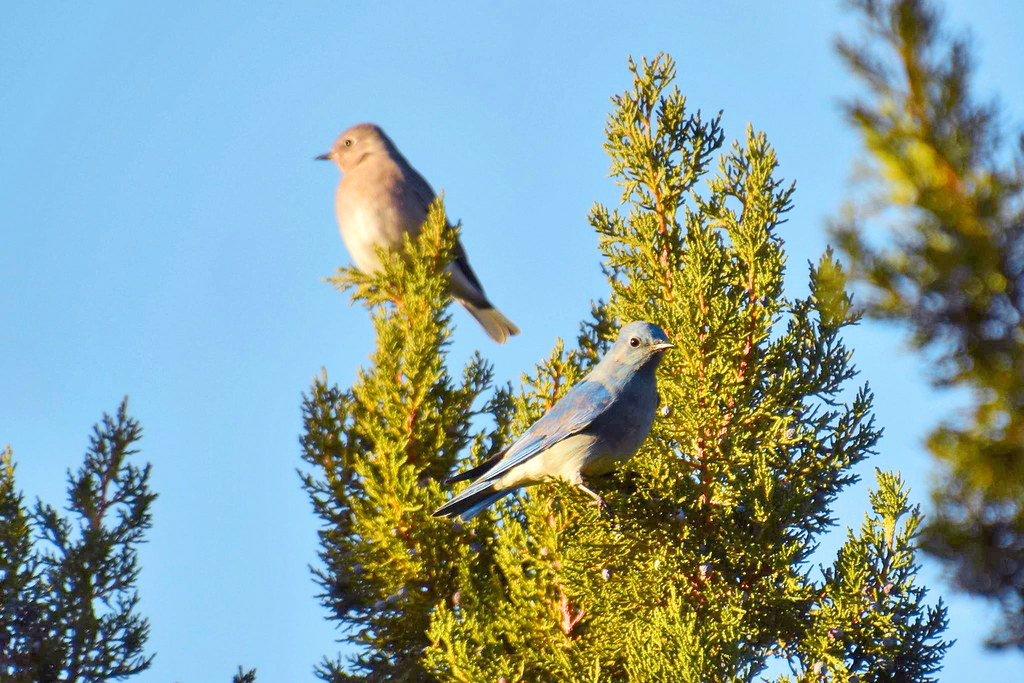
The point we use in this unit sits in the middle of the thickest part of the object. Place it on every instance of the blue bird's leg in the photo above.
(598, 500)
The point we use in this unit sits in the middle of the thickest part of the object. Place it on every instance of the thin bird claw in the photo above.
(603, 507)
(596, 500)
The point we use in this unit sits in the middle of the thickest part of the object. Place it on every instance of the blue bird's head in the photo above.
(640, 344)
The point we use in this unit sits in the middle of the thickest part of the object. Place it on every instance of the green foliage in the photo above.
(953, 274)
(871, 619)
(244, 676)
(703, 571)
(69, 612)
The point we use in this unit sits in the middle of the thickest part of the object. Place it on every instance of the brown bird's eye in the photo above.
(634, 342)
(348, 143)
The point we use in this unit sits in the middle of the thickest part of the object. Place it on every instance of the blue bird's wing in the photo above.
(573, 413)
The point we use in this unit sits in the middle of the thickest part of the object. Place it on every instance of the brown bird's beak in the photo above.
(323, 157)
(659, 347)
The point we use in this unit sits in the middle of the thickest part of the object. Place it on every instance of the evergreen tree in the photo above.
(953, 275)
(703, 573)
(68, 603)
(377, 452)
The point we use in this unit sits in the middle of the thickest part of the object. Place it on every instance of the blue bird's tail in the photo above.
(477, 471)
(470, 502)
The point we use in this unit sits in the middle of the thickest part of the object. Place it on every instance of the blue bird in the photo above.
(599, 423)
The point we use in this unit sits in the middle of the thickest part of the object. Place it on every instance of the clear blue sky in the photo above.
(165, 232)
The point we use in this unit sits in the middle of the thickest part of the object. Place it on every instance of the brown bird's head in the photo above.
(356, 143)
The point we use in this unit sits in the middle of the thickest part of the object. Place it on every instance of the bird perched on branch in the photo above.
(380, 198)
(600, 422)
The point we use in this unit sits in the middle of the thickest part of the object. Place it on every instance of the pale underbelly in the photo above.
(364, 231)
(569, 458)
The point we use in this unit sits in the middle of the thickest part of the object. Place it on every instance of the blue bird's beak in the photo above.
(660, 347)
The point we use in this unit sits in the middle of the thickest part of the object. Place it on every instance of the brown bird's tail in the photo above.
(498, 327)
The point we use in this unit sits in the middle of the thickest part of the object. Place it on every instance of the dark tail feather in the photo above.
(469, 506)
(475, 472)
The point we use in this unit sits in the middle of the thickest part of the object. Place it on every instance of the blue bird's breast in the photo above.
(624, 426)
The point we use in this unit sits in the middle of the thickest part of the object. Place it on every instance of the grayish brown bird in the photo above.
(380, 198)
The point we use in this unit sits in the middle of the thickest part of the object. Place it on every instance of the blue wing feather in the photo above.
(573, 413)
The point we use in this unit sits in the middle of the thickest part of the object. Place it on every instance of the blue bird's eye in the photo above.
(634, 342)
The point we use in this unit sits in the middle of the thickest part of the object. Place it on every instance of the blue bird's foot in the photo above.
(597, 500)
